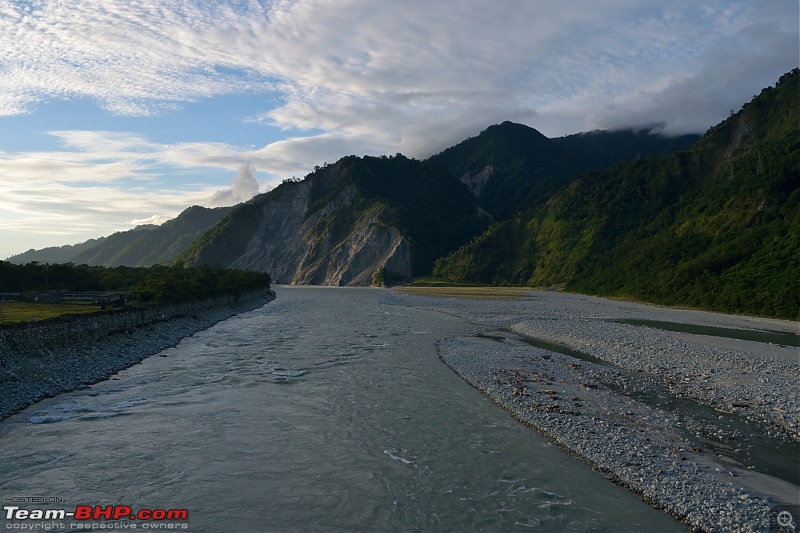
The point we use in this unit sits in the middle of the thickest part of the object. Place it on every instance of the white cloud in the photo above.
(155, 219)
(360, 68)
(243, 187)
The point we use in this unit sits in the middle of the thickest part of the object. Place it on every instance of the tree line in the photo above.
(157, 284)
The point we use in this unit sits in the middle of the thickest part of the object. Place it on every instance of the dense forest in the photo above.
(715, 227)
(156, 284)
(513, 168)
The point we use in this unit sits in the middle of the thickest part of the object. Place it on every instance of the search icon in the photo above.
(785, 519)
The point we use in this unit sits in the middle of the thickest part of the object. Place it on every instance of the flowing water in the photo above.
(323, 410)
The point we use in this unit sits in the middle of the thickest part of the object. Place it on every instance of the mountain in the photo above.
(511, 167)
(385, 219)
(54, 254)
(153, 244)
(715, 227)
(142, 246)
(358, 221)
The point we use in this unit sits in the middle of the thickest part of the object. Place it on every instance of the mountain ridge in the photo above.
(715, 227)
(143, 245)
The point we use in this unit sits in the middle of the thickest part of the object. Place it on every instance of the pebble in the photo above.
(636, 445)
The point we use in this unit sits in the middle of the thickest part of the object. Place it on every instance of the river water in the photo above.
(324, 410)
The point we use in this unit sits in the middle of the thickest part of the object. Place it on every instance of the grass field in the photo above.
(496, 293)
(22, 312)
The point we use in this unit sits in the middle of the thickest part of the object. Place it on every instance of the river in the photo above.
(325, 410)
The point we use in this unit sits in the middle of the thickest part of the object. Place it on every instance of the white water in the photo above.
(324, 410)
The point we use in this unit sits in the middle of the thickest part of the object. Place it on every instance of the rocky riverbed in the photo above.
(44, 360)
(702, 427)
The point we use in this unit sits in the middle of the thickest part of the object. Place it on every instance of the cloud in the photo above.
(410, 72)
(359, 77)
(155, 219)
(243, 187)
(42, 213)
(101, 182)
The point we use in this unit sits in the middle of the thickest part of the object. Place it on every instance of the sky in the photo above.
(117, 113)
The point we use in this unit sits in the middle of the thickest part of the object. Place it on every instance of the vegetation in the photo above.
(431, 208)
(156, 284)
(523, 168)
(711, 223)
(229, 236)
(142, 246)
(12, 313)
(717, 227)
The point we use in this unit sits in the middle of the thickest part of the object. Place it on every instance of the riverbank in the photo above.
(44, 360)
(689, 422)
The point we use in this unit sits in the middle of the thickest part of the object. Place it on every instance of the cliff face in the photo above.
(307, 250)
(277, 244)
(341, 242)
(358, 222)
(375, 220)
(365, 250)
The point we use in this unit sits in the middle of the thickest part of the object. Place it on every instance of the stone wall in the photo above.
(42, 360)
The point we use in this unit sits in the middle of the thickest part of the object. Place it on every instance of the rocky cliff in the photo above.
(358, 222)
(309, 250)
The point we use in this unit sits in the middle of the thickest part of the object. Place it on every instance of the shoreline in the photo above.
(51, 359)
(593, 408)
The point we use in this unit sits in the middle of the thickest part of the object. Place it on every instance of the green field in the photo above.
(22, 312)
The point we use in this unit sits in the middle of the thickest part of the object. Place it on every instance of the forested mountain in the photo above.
(142, 246)
(54, 254)
(511, 167)
(358, 221)
(373, 219)
(717, 226)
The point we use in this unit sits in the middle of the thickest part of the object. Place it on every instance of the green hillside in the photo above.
(54, 254)
(152, 245)
(522, 168)
(716, 227)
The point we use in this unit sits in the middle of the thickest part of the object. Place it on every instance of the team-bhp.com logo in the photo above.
(148, 518)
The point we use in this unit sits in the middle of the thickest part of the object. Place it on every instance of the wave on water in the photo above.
(391, 452)
(68, 411)
(378, 346)
(288, 373)
(48, 419)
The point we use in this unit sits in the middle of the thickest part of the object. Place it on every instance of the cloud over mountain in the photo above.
(243, 187)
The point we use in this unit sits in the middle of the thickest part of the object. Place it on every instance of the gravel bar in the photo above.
(593, 403)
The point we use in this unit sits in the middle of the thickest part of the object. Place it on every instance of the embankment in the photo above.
(43, 360)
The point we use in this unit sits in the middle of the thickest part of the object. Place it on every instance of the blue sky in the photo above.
(115, 113)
